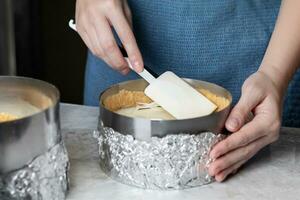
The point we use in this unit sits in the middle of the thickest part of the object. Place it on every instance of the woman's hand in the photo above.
(261, 97)
(94, 19)
(262, 94)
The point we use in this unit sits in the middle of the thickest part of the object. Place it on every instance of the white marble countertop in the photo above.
(274, 173)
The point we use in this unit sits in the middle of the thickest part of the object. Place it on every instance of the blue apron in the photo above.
(217, 41)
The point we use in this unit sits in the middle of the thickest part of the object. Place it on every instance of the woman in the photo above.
(235, 44)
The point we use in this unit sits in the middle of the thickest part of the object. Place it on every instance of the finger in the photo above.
(88, 29)
(82, 31)
(109, 44)
(231, 170)
(243, 153)
(86, 40)
(248, 133)
(127, 12)
(240, 113)
(98, 51)
(123, 29)
(125, 71)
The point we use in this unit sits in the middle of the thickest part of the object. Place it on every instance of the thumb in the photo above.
(241, 113)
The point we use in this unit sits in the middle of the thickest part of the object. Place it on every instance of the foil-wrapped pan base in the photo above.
(176, 161)
(45, 178)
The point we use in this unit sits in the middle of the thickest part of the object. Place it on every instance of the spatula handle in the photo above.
(144, 74)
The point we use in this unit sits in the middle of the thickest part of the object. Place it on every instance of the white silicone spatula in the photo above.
(172, 93)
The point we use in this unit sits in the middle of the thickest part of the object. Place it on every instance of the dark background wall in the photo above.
(47, 49)
(7, 42)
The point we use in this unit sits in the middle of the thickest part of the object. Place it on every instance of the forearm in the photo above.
(283, 53)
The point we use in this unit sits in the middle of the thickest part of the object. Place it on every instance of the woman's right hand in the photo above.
(94, 22)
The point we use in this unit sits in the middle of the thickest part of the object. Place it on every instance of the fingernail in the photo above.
(210, 171)
(213, 155)
(220, 178)
(233, 123)
(137, 66)
(124, 72)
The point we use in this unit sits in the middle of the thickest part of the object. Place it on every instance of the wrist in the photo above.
(279, 77)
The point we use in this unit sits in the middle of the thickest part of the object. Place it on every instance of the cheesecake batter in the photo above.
(13, 107)
(137, 104)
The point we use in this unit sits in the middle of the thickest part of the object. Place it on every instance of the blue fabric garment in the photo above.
(217, 41)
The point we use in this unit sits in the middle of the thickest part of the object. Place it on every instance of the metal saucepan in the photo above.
(24, 139)
(143, 129)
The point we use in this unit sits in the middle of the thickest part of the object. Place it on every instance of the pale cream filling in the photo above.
(13, 107)
(137, 104)
(149, 111)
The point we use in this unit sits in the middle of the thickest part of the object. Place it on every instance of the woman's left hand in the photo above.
(261, 97)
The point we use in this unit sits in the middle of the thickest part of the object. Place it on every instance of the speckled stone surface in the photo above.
(274, 173)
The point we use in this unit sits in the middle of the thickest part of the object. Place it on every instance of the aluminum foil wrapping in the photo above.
(172, 162)
(45, 178)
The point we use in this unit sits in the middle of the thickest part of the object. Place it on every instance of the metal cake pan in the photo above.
(24, 139)
(143, 129)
